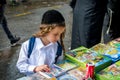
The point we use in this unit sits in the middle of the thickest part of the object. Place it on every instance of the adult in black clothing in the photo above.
(88, 20)
(3, 23)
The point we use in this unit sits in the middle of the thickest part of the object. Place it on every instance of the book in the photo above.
(66, 64)
(67, 77)
(55, 72)
(114, 43)
(110, 73)
(100, 48)
(35, 76)
(79, 73)
(78, 51)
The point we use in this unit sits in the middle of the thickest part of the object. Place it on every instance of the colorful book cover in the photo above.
(110, 73)
(67, 77)
(114, 47)
(113, 50)
(100, 48)
(78, 51)
(88, 55)
(113, 53)
(67, 64)
(35, 76)
(110, 48)
(114, 43)
(78, 73)
(55, 71)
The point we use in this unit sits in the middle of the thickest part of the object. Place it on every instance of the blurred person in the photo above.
(3, 22)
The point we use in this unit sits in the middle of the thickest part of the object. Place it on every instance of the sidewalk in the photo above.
(24, 26)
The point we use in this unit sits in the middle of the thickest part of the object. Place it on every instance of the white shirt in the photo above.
(40, 55)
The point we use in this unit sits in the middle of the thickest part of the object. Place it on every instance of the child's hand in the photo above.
(43, 68)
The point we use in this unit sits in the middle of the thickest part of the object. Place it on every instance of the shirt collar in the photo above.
(40, 44)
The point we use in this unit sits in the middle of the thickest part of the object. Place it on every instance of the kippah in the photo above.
(52, 17)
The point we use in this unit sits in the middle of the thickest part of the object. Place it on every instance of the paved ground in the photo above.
(23, 21)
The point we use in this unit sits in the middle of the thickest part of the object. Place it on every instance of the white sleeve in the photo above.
(22, 63)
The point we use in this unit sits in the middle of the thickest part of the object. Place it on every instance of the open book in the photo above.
(55, 72)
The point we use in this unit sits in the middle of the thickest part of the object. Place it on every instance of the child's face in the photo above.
(54, 35)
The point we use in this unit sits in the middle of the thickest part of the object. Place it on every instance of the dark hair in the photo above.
(52, 17)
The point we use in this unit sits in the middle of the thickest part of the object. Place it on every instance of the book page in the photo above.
(55, 71)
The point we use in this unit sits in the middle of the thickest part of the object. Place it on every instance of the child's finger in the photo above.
(46, 68)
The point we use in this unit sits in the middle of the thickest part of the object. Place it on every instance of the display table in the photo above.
(105, 57)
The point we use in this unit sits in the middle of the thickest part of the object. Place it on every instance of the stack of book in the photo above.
(83, 56)
(110, 73)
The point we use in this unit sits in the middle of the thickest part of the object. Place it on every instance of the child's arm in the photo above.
(22, 64)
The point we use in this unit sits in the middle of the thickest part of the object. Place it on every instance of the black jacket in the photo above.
(2, 1)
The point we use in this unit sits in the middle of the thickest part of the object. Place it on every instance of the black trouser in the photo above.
(3, 22)
(88, 19)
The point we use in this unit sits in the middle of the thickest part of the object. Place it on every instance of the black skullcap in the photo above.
(52, 17)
